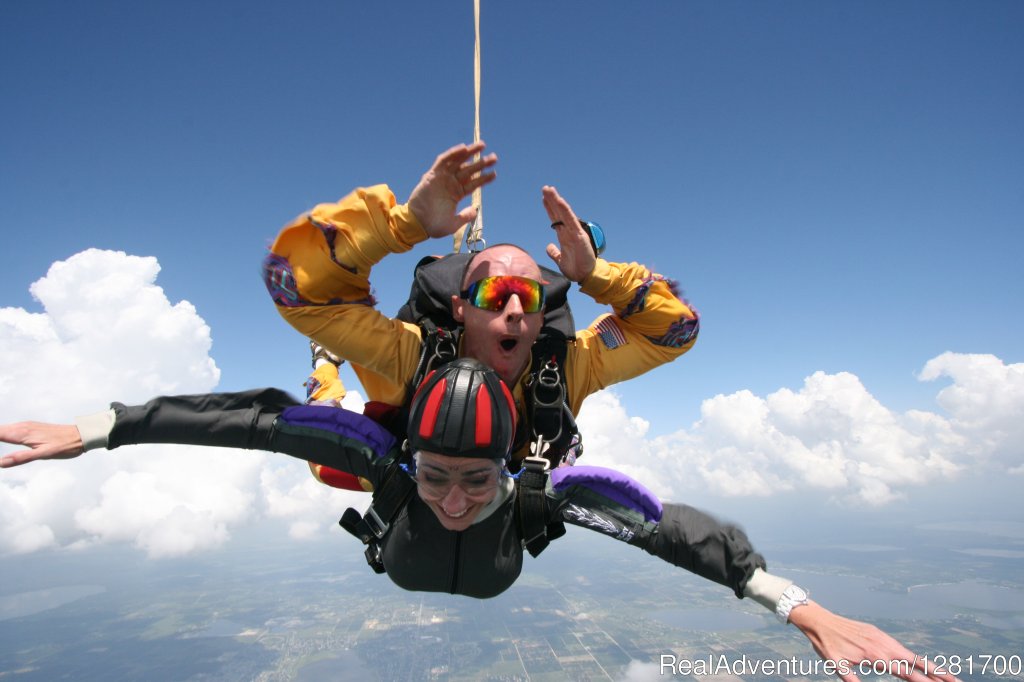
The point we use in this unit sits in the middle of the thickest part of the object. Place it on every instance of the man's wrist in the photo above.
(408, 228)
(597, 280)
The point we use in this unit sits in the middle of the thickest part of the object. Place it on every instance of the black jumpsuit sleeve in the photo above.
(261, 419)
(694, 540)
(683, 536)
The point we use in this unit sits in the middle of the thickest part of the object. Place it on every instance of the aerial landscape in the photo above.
(325, 615)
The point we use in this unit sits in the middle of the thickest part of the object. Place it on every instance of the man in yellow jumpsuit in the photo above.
(318, 273)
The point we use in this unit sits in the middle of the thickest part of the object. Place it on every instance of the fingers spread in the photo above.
(479, 181)
(457, 155)
(468, 170)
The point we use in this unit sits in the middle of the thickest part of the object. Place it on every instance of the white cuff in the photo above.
(766, 589)
(95, 429)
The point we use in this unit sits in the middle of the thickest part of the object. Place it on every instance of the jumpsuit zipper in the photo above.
(455, 562)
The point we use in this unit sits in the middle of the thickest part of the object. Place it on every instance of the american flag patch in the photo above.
(611, 335)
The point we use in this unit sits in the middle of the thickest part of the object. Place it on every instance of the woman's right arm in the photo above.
(263, 419)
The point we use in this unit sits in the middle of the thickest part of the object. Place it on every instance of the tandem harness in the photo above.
(398, 487)
(552, 428)
(554, 432)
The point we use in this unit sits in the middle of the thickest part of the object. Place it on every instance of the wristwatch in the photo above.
(792, 597)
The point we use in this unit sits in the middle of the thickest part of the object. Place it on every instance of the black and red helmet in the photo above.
(463, 409)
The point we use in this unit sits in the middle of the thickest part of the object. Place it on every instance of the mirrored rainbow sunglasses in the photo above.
(493, 293)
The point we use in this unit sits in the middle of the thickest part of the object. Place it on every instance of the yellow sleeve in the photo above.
(330, 250)
(318, 274)
(325, 386)
(651, 326)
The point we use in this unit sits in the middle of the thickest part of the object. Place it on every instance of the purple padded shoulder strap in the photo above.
(343, 422)
(612, 484)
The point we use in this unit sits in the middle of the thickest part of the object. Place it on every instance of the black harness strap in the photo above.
(553, 427)
(548, 402)
(531, 507)
(389, 498)
(439, 345)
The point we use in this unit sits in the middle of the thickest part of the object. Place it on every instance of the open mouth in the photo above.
(455, 516)
(508, 345)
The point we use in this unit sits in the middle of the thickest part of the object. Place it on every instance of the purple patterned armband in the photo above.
(680, 333)
(330, 233)
(312, 386)
(682, 330)
(281, 284)
(639, 300)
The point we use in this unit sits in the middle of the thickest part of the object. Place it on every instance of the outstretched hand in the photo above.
(849, 642)
(45, 441)
(576, 257)
(452, 178)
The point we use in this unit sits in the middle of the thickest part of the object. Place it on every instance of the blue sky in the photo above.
(836, 186)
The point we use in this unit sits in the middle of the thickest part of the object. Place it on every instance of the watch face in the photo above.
(796, 593)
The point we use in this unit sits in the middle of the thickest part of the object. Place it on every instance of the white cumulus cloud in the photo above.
(984, 400)
(831, 435)
(108, 332)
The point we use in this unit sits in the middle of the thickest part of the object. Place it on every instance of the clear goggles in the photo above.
(435, 482)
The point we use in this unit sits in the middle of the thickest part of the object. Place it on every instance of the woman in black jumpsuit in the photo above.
(462, 532)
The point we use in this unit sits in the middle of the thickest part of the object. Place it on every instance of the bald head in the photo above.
(501, 259)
